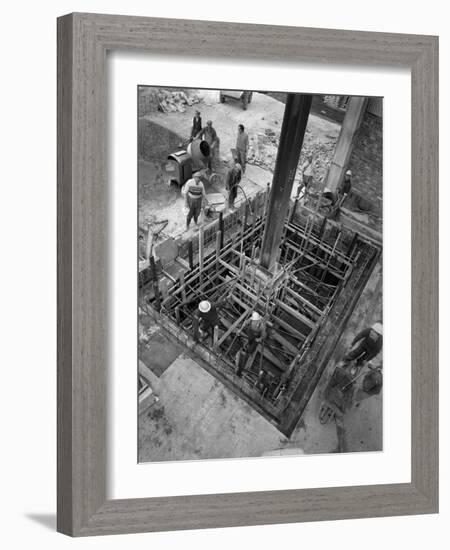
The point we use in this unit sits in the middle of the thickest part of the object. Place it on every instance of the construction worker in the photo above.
(242, 147)
(208, 316)
(233, 179)
(307, 169)
(256, 331)
(196, 125)
(209, 134)
(369, 343)
(194, 191)
(345, 187)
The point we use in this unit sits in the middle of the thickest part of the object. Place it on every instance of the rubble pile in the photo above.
(170, 102)
(263, 149)
(166, 101)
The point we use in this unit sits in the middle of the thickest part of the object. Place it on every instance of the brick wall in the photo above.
(366, 161)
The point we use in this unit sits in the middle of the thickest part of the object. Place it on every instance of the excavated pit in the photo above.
(305, 301)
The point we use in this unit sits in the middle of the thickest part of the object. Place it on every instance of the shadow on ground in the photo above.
(46, 520)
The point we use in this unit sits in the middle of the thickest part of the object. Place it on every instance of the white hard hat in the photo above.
(204, 306)
(348, 173)
(256, 316)
(378, 327)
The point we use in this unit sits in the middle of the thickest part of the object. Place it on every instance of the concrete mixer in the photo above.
(188, 161)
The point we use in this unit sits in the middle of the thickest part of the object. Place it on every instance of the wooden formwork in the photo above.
(304, 305)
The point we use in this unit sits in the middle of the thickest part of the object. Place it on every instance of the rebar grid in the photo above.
(293, 304)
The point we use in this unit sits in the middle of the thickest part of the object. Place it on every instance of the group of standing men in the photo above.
(194, 189)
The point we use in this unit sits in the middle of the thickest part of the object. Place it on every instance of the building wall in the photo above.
(366, 162)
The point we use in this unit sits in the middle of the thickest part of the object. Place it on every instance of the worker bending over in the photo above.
(209, 134)
(255, 331)
(369, 343)
(195, 197)
(233, 179)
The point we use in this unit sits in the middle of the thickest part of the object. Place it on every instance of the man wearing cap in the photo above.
(209, 134)
(232, 181)
(242, 146)
(195, 195)
(369, 343)
(196, 125)
(345, 187)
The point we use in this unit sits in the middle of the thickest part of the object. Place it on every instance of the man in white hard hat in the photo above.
(256, 332)
(208, 316)
(366, 344)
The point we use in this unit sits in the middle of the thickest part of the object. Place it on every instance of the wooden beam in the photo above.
(271, 357)
(304, 301)
(236, 323)
(284, 342)
(288, 328)
(291, 311)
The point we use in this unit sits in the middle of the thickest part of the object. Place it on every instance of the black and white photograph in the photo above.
(260, 273)
(221, 284)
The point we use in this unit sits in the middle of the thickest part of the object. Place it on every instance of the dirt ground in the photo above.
(262, 120)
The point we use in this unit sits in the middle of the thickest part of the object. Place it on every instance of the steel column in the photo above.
(291, 139)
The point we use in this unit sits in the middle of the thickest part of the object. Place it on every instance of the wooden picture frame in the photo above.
(83, 41)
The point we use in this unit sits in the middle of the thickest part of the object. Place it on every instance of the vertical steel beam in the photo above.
(191, 255)
(221, 229)
(291, 139)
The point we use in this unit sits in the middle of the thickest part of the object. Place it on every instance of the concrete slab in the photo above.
(159, 353)
(198, 418)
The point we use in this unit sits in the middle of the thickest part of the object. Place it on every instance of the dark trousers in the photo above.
(362, 351)
(232, 193)
(251, 345)
(241, 158)
(195, 207)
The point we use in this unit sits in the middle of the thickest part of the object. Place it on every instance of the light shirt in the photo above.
(242, 141)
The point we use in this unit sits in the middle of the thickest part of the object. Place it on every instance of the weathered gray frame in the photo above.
(83, 40)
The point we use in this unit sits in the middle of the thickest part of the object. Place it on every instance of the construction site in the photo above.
(259, 274)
